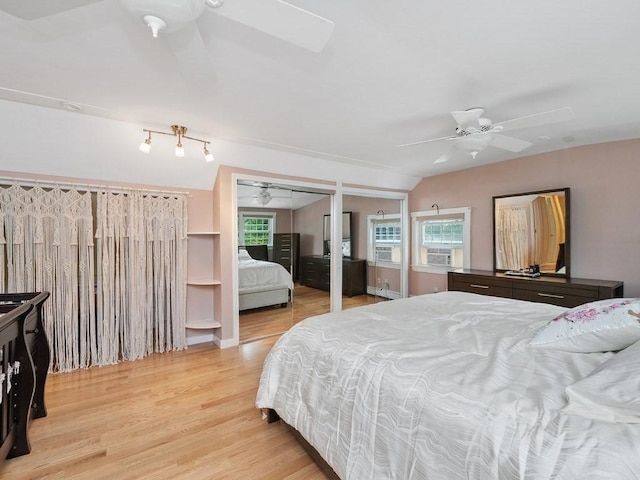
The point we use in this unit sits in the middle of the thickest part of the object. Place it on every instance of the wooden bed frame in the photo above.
(24, 362)
(272, 416)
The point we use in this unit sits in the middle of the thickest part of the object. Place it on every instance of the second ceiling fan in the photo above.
(474, 132)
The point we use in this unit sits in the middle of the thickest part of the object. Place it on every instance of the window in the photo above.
(256, 228)
(384, 240)
(441, 240)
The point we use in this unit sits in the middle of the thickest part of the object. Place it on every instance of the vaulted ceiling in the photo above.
(391, 73)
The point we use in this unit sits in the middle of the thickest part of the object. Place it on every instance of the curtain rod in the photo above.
(83, 187)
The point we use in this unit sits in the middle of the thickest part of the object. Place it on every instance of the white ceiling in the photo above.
(390, 74)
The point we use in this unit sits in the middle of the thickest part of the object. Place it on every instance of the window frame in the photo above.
(243, 215)
(417, 218)
(372, 221)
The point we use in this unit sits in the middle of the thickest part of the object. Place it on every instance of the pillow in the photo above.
(243, 254)
(601, 326)
(611, 391)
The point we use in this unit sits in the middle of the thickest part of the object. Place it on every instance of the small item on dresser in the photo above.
(523, 273)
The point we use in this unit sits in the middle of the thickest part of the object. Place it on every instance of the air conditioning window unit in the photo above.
(439, 257)
(383, 254)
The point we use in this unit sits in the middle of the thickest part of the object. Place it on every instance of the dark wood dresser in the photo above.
(566, 292)
(286, 252)
(315, 272)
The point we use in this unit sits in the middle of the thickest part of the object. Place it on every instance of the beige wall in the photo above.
(308, 221)
(605, 199)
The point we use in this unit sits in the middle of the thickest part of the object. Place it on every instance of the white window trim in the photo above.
(371, 235)
(244, 213)
(416, 238)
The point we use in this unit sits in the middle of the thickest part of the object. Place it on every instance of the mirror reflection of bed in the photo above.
(299, 215)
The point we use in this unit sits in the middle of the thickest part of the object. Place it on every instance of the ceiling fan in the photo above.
(176, 20)
(474, 132)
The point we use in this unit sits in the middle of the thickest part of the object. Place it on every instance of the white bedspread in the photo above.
(254, 275)
(442, 386)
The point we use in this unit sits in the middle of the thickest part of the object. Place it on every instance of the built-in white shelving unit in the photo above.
(201, 283)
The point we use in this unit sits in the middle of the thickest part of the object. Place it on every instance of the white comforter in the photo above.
(254, 275)
(442, 386)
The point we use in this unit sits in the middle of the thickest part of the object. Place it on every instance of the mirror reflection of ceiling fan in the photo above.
(474, 132)
(176, 21)
(263, 196)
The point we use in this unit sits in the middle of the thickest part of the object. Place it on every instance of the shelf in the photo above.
(203, 282)
(202, 233)
(203, 324)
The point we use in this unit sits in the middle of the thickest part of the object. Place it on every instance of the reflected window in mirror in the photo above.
(256, 228)
(384, 240)
(532, 230)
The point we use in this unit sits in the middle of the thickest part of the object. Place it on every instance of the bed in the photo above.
(261, 283)
(457, 385)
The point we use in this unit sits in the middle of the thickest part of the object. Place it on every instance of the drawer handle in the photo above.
(474, 285)
(550, 295)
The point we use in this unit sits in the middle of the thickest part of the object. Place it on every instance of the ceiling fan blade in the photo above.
(279, 19)
(467, 119)
(426, 141)
(509, 143)
(552, 116)
(192, 56)
(34, 9)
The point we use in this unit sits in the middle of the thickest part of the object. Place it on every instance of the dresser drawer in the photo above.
(496, 287)
(562, 295)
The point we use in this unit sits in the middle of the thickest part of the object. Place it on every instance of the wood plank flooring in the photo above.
(180, 415)
(262, 322)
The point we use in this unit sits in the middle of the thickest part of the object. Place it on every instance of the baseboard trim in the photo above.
(383, 292)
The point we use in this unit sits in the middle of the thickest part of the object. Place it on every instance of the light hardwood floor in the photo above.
(262, 322)
(180, 415)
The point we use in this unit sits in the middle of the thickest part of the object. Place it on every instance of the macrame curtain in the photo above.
(132, 304)
(47, 244)
(141, 252)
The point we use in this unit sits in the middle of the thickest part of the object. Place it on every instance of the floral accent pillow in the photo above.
(601, 326)
(610, 392)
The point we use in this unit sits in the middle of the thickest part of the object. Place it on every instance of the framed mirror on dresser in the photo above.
(532, 254)
(531, 233)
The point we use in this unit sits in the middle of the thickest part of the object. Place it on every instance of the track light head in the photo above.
(146, 145)
(208, 156)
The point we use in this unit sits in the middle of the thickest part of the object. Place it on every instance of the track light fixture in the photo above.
(180, 132)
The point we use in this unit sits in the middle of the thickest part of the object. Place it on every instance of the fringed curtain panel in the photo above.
(47, 244)
(132, 304)
(141, 253)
